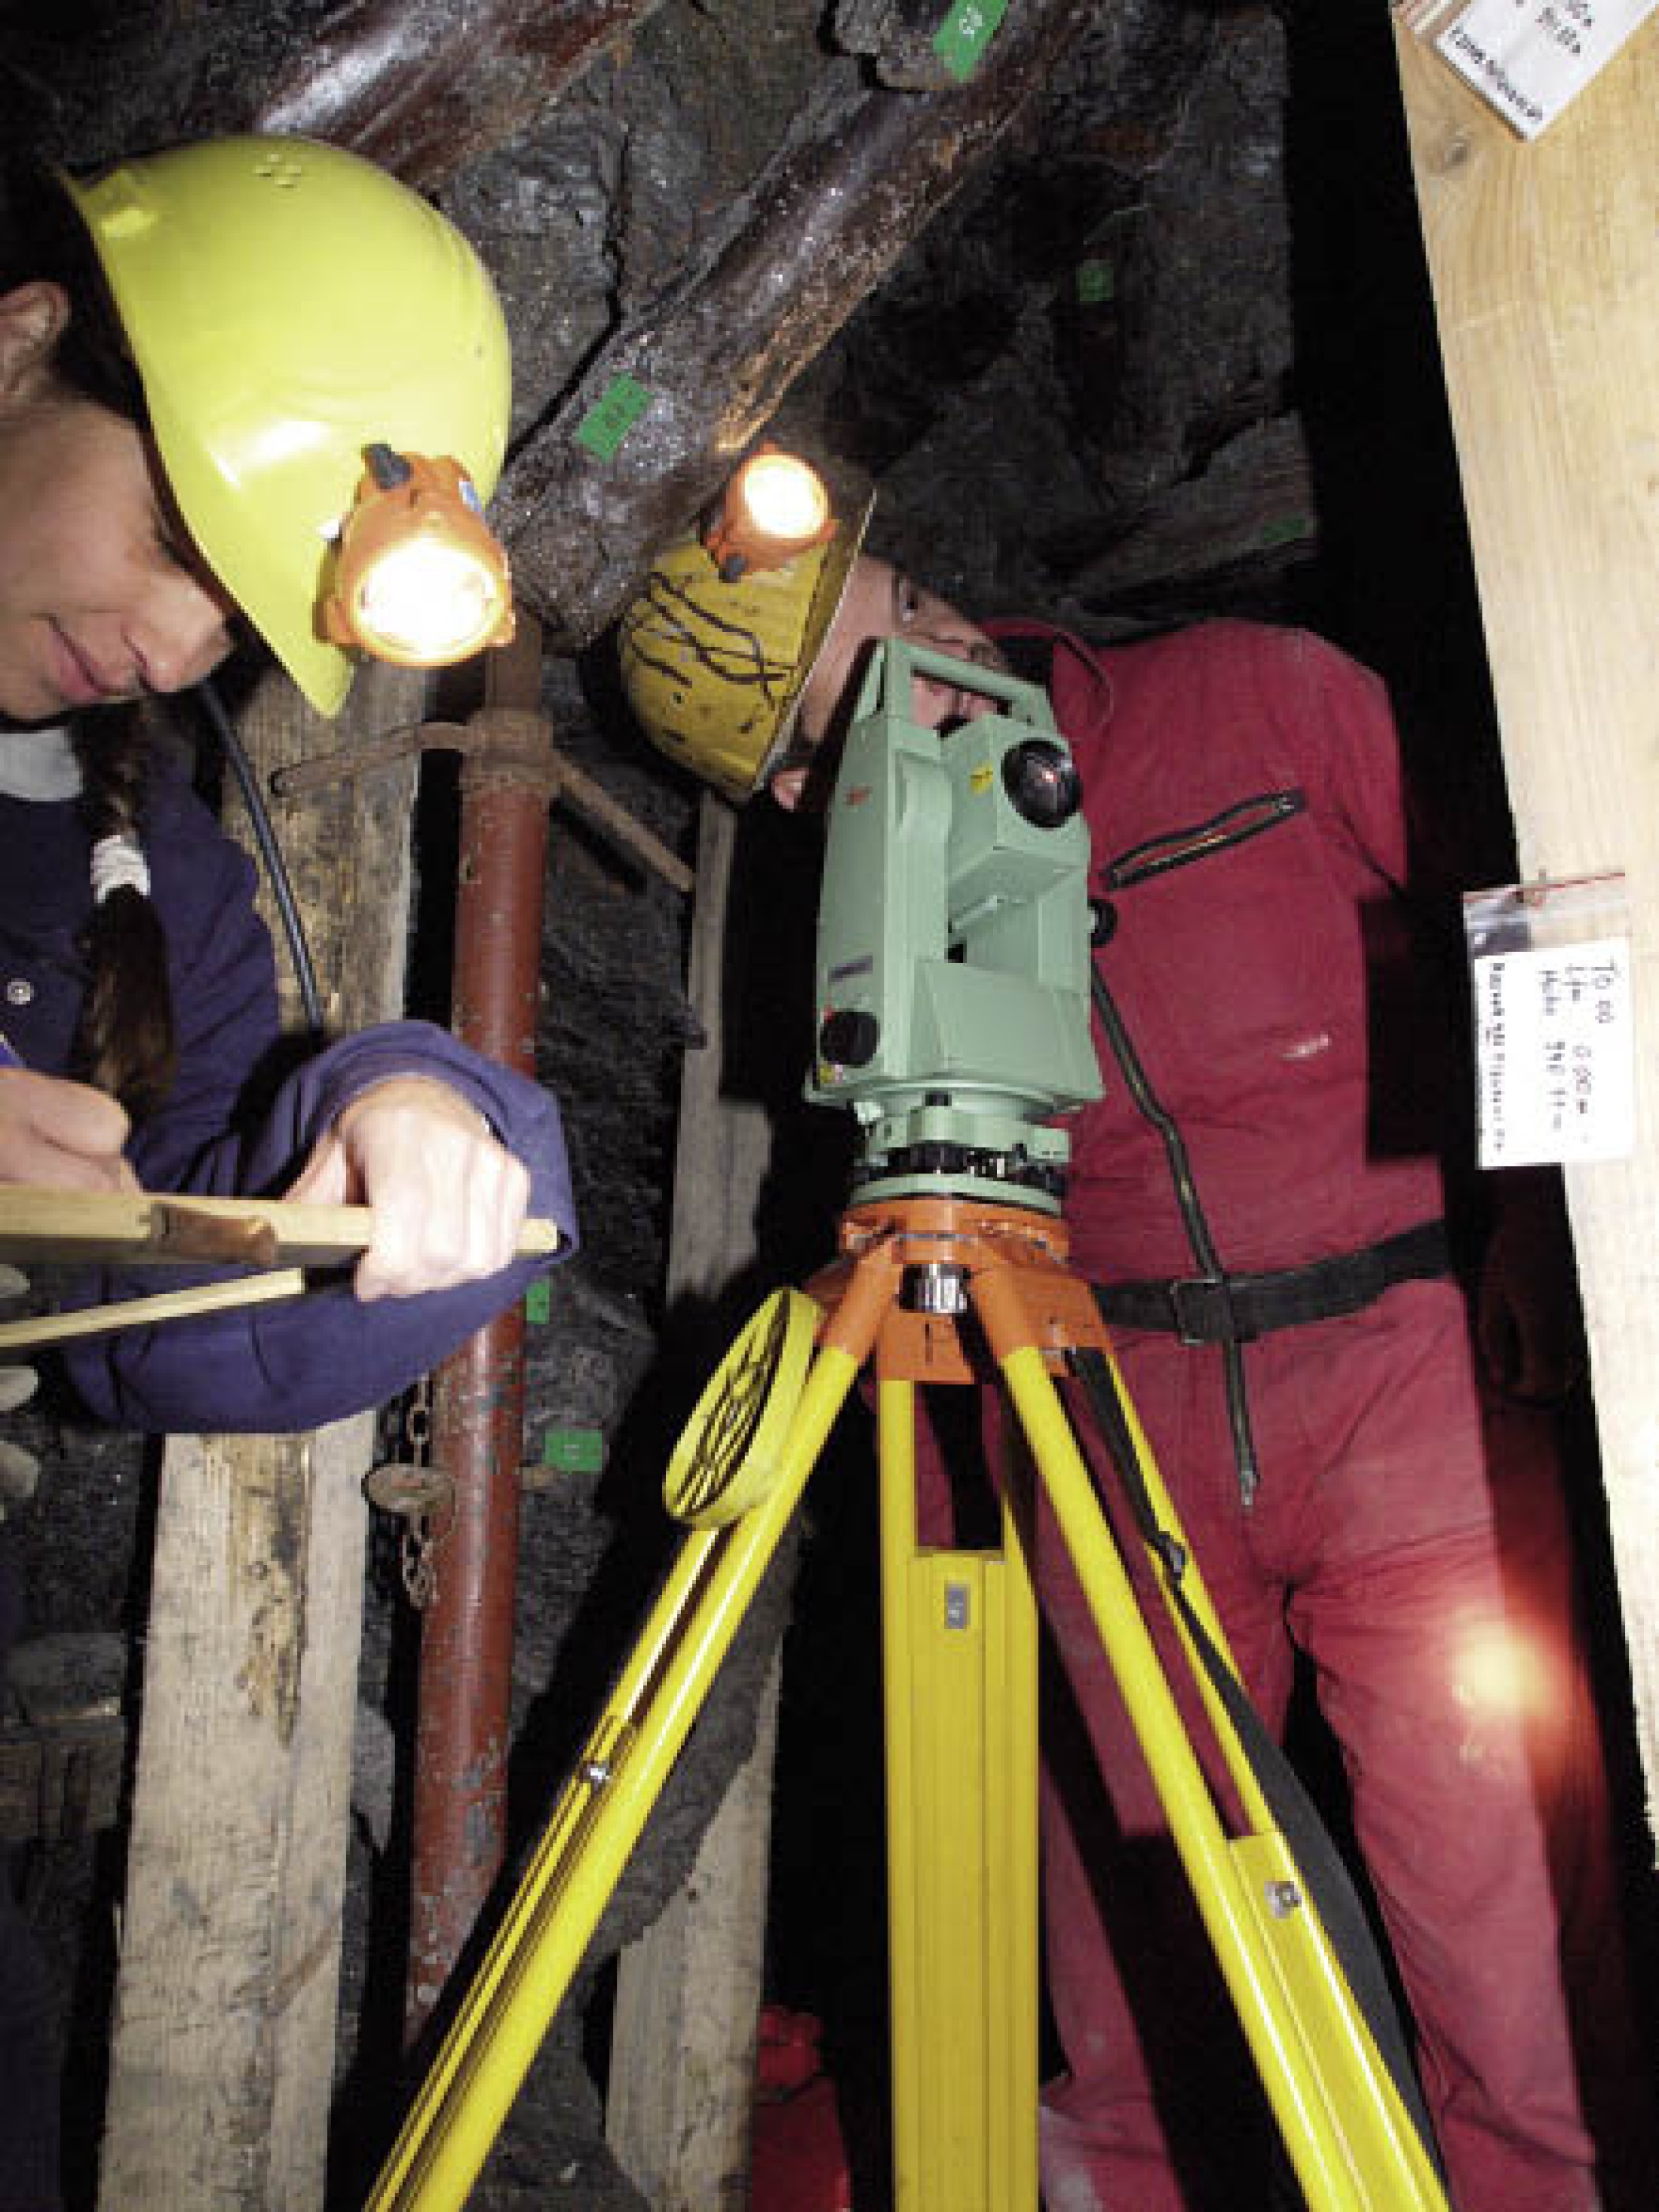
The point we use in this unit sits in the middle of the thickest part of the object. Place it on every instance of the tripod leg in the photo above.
(466, 2096)
(1349, 2138)
(959, 1669)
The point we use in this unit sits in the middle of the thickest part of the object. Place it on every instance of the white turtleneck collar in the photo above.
(39, 764)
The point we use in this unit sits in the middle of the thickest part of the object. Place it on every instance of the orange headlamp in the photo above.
(420, 579)
(774, 506)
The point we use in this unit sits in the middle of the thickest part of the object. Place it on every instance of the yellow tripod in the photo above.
(919, 1283)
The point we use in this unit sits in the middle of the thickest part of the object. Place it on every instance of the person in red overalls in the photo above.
(1265, 1207)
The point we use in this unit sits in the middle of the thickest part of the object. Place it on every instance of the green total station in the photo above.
(951, 984)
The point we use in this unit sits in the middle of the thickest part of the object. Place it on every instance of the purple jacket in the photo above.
(225, 1130)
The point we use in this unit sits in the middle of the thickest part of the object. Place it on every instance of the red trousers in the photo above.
(1411, 1541)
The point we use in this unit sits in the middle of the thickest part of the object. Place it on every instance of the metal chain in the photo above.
(422, 1540)
(419, 1493)
(418, 1554)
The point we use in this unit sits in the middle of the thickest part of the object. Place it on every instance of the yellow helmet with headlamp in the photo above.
(718, 645)
(290, 308)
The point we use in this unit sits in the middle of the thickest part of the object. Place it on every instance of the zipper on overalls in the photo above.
(1245, 818)
(1234, 825)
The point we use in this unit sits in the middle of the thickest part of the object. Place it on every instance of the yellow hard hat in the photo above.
(714, 671)
(286, 304)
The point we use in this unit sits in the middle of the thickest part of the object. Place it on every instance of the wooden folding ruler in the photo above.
(273, 1240)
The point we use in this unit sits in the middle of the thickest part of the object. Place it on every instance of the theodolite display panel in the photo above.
(952, 970)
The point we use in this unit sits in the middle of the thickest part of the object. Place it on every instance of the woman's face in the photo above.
(102, 598)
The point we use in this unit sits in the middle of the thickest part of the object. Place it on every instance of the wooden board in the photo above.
(681, 2089)
(1544, 259)
(221, 2069)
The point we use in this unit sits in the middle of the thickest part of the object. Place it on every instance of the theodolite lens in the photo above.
(848, 1038)
(1042, 782)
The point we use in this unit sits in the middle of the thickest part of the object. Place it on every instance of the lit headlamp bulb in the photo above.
(774, 506)
(420, 581)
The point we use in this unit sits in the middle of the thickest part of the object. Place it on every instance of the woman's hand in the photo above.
(65, 1135)
(448, 1200)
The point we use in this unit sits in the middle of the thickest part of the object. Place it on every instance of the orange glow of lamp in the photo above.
(775, 507)
(420, 579)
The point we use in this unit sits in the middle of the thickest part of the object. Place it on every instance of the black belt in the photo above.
(1233, 1309)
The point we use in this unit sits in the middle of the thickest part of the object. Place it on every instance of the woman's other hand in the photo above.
(448, 1200)
(64, 1135)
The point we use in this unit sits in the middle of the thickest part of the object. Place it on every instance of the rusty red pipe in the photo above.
(463, 1729)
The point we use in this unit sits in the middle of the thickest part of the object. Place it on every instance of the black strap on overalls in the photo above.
(1218, 1309)
(1193, 1218)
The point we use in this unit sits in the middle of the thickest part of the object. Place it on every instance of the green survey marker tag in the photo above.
(1285, 530)
(1097, 283)
(538, 1302)
(961, 40)
(611, 416)
(573, 1451)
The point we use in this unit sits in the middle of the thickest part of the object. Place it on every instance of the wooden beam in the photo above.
(688, 1992)
(1544, 260)
(425, 91)
(668, 405)
(222, 2059)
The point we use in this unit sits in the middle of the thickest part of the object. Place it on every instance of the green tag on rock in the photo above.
(611, 416)
(573, 1451)
(961, 40)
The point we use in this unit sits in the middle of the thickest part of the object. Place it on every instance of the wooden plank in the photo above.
(207, 1967)
(222, 2059)
(144, 1229)
(681, 2087)
(1544, 259)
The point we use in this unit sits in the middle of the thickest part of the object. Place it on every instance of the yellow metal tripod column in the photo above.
(959, 1643)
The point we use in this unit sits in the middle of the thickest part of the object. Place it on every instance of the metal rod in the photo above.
(463, 1729)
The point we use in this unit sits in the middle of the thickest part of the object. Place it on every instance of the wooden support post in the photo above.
(221, 2069)
(688, 1992)
(1544, 264)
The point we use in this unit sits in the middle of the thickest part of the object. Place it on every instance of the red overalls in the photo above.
(1243, 789)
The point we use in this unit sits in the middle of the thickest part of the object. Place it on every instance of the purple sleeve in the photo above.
(325, 1355)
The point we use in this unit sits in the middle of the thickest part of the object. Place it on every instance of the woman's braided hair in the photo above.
(126, 1043)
